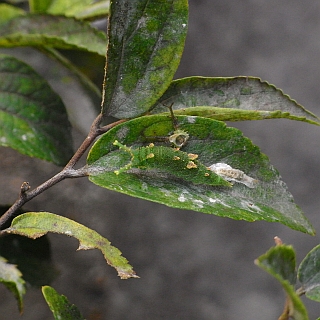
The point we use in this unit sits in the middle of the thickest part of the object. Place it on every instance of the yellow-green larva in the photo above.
(171, 161)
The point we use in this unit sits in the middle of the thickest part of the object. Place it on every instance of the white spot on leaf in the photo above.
(3, 140)
(199, 203)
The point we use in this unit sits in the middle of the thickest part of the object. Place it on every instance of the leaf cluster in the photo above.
(140, 153)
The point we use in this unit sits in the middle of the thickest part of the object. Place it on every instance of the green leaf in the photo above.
(171, 161)
(213, 142)
(280, 262)
(10, 276)
(7, 12)
(231, 99)
(33, 257)
(146, 40)
(33, 118)
(37, 224)
(39, 6)
(80, 9)
(60, 306)
(309, 274)
(52, 31)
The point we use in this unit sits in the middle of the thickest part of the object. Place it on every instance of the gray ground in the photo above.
(192, 265)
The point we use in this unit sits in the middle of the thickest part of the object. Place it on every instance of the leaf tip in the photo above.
(126, 275)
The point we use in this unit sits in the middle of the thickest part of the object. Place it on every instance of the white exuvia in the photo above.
(228, 173)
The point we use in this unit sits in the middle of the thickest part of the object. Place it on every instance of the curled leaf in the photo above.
(37, 224)
(280, 262)
(231, 99)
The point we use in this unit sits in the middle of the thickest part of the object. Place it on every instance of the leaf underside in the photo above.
(231, 99)
(279, 261)
(213, 142)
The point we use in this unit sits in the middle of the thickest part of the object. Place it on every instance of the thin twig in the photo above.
(28, 195)
(93, 133)
(68, 171)
(110, 126)
(286, 311)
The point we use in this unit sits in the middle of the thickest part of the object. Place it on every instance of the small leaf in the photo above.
(52, 31)
(10, 276)
(33, 257)
(61, 308)
(37, 224)
(280, 262)
(231, 99)
(33, 118)
(266, 198)
(146, 40)
(309, 274)
(39, 6)
(80, 9)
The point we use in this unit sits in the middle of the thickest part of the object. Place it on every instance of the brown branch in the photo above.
(286, 310)
(26, 196)
(93, 133)
(68, 171)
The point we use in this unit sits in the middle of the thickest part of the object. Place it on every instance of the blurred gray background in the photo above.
(192, 265)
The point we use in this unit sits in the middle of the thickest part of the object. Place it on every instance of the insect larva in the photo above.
(230, 174)
(171, 161)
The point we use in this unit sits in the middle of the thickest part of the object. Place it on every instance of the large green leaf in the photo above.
(61, 308)
(10, 276)
(80, 9)
(37, 224)
(33, 258)
(33, 118)
(231, 99)
(309, 274)
(146, 40)
(52, 31)
(213, 142)
(280, 262)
